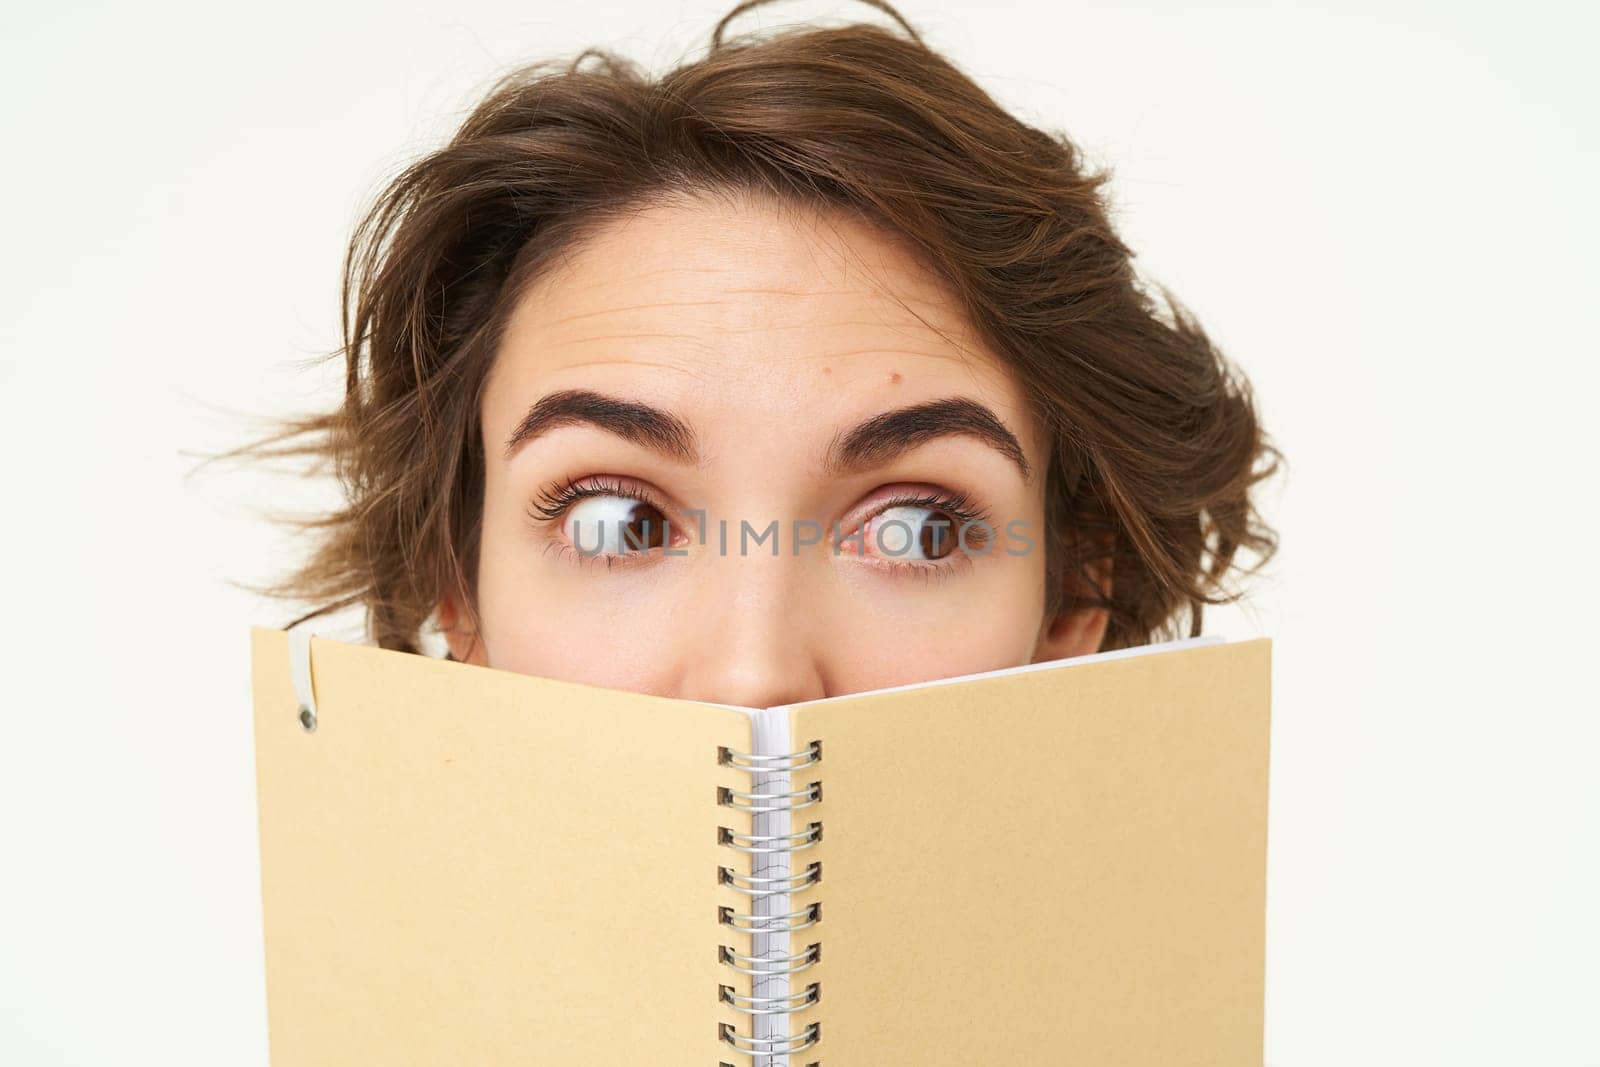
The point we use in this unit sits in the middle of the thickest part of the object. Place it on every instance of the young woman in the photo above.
(800, 370)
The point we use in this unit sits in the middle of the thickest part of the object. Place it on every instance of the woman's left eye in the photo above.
(914, 532)
(602, 518)
(612, 525)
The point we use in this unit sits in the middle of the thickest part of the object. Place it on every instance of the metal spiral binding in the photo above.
(761, 966)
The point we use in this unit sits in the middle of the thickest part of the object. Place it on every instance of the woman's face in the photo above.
(698, 371)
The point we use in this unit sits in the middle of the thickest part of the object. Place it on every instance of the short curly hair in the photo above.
(1155, 447)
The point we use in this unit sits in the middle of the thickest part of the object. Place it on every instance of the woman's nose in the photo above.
(752, 642)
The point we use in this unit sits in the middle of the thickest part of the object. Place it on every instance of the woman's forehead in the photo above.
(712, 304)
(703, 267)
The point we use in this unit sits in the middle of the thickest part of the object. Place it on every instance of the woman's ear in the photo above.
(464, 644)
(1079, 632)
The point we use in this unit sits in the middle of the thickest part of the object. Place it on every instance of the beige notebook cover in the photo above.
(1063, 863)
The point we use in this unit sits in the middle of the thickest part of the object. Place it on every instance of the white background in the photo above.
(1382, 211)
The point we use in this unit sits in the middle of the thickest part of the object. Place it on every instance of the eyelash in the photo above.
(553, 501)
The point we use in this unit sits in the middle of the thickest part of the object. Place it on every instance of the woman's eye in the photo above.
(913, 532)
(611, 525)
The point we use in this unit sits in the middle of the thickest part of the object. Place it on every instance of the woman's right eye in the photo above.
(607, 524)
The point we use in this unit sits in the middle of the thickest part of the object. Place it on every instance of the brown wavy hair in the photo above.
(1155, 444)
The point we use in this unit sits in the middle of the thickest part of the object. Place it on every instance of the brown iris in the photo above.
(644, 528)
(937, 537)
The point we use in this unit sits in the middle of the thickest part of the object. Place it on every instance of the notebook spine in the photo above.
(766, 871)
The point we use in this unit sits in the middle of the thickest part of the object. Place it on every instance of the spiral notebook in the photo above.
(1062, 863)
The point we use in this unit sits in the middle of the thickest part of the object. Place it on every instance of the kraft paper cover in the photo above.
(1058, 867)
(471, 866)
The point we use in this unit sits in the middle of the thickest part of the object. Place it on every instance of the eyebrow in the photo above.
(657, 430)
(871, 443)
(883, 437)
